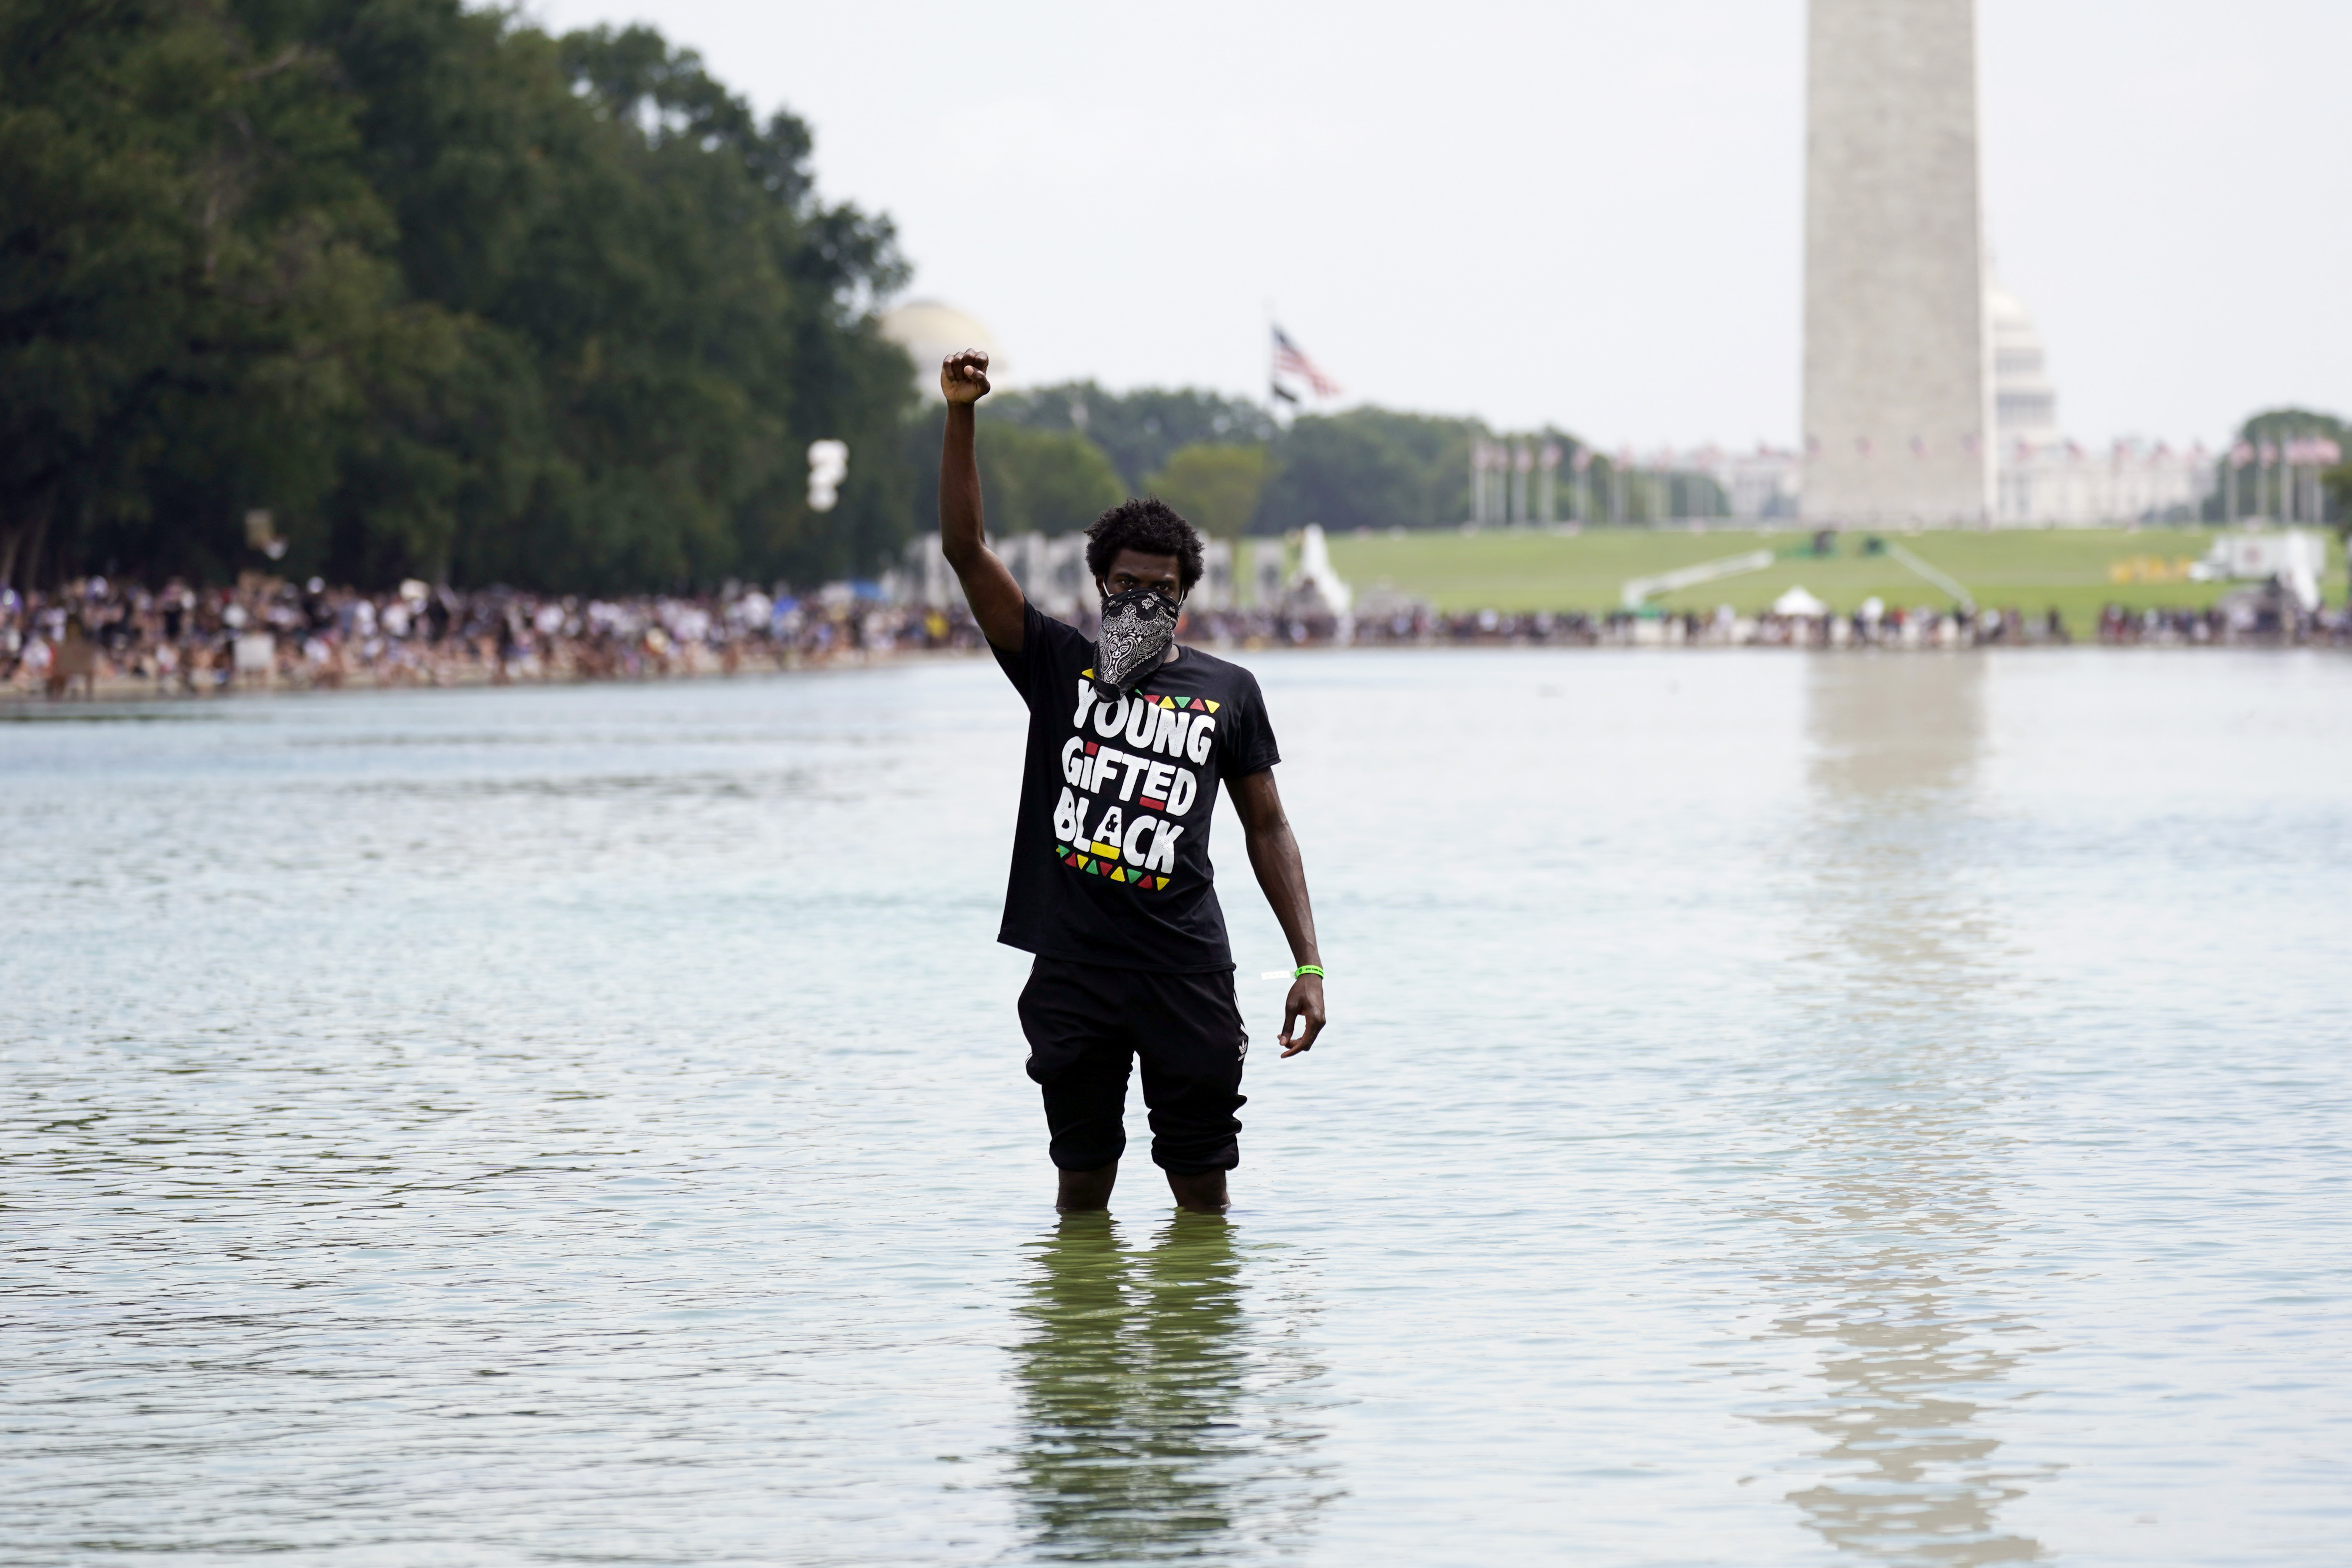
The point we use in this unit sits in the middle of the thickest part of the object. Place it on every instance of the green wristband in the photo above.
(1314, 969)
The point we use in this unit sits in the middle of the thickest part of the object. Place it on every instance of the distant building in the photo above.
(930, 331)
(2131, 481)
(1760, 484)
(2024, 402)
(2042, 476)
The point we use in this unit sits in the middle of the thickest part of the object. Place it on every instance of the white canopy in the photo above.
(1797, 602)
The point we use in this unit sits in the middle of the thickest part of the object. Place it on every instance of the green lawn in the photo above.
(2033, 570)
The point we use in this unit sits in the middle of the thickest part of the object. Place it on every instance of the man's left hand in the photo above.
(1304, 1010)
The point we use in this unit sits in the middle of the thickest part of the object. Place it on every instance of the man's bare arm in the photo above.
(988, 587)
(1274, 856)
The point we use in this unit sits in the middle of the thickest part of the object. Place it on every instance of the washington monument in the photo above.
(1898, 426)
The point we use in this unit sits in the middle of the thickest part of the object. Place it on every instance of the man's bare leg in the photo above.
(1084, 1190)
(1201, 1193)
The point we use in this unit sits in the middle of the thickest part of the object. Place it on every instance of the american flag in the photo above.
(1289, 361)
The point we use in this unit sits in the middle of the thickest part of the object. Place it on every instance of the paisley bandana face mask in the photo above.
(1136, 627)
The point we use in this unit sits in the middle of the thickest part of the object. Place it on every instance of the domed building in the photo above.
(930, 331)
(2025, 405)
(2043, 478)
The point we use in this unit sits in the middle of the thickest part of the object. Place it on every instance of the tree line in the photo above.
(396, 289)
(1053, 456)
(426, 291)
(2254, 488)
(440, 294)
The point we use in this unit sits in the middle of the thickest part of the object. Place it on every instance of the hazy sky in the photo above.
(1586, 213)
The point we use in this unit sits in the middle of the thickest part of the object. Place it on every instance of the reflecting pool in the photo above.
(1777, 1110)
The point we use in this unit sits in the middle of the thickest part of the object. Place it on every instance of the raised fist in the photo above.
(963, 377)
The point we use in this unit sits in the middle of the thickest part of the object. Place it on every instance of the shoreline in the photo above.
(17, 699)
(95, 638)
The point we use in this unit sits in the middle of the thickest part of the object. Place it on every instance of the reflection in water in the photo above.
(1164, 1418)
(1886, 1267)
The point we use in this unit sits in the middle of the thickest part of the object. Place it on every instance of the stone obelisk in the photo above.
(1897, 410)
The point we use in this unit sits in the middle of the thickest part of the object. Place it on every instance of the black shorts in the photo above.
(1086, 1022)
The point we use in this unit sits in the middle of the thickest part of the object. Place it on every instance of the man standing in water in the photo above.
(1111, 886)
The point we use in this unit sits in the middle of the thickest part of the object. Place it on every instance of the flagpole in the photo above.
(1273, 397)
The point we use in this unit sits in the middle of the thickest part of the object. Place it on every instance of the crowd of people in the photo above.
(264, 632)
(97, 634)
(2258, 618)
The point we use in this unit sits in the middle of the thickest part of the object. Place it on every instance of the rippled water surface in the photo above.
(1778, 1110)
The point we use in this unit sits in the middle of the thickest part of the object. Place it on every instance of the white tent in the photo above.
(1797, 602)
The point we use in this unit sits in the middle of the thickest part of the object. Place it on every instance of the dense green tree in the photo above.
(667, 316)
(1369, 468)
(185, 259)
(2256, 485)
(2291, 423)
(1045, 481)
(1136, 430)
(448, 296)
(1213, 485)
(1032, 480)
(1366, 467)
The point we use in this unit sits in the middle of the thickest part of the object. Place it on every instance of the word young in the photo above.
(1182, 730)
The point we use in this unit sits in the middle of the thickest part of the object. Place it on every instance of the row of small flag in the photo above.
(2313, 451)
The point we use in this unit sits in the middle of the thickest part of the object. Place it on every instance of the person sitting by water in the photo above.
(1110, 886)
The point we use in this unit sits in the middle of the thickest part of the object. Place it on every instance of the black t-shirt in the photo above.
(1110, 855)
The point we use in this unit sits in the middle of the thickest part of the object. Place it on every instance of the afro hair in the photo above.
(1151, 527)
